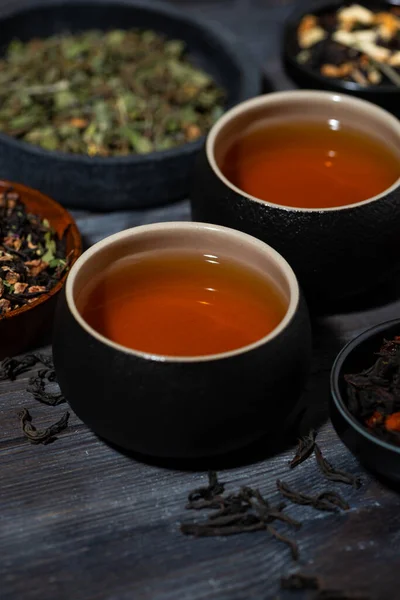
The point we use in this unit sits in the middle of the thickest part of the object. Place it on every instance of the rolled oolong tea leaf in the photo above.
(41, 436)
(332, 473)
(208, 493)
(10, 368)
(46, 360)
(105, 94)
(304, 449)
(328, 500)
(294, 549)
(37, 387)
(244, 512)
(373, 394)
(32, 257)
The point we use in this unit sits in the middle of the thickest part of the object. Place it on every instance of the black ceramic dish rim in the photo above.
(278, 259)
(336, 374)
(290, 28)
(238, 51)
(321, 95)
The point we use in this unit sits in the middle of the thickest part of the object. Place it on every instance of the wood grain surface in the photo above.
(81, 521)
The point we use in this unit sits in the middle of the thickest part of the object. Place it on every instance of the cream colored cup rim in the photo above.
(242, 238)
(293, 96)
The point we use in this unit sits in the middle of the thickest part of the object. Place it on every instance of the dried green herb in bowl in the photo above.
(105, 94)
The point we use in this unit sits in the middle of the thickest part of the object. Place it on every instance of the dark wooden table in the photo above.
(81, 521)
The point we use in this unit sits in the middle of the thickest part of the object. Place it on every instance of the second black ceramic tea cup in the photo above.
(182, 407)
(335, 252)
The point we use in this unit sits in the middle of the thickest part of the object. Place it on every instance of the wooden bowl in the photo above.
(24, 327)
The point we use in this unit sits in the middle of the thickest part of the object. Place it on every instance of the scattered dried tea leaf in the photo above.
(209, 492)
(38, 388)
(332, 473)
(41, 436)
(304, 449)
(244, 512)
(330, 501)
(10, 368)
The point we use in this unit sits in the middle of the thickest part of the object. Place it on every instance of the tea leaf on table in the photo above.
(304, 449)
(244, 512)
(213, 489)
(10, 368)
(329, 500)
(41, 436)
(332, 473)
(37, 387)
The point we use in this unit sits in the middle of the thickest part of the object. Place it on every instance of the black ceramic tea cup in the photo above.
(182, 407)
(335, 252)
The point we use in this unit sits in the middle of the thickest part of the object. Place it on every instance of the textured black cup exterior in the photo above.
(335, 254)
(112, 183)
(181, 409)
(356, 356)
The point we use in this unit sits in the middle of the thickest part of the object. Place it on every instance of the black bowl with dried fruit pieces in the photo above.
(120, 98)
(365, 398)
(347, 47)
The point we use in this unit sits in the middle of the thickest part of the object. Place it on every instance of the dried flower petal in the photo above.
(394, 60)
(36, 289)
(5, 306)
(392, 422)
(389, 25)
(356, 14)
(11, 277)
(311, 37)
(333, 71)
(36, 266)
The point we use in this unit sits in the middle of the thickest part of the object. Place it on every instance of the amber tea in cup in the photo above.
(309, 163)
(141, 331)
(182, 303)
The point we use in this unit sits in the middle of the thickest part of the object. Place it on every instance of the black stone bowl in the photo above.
(386, 95)
(378, 455)
(182, 407)
(105, 184)
(336, 253)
